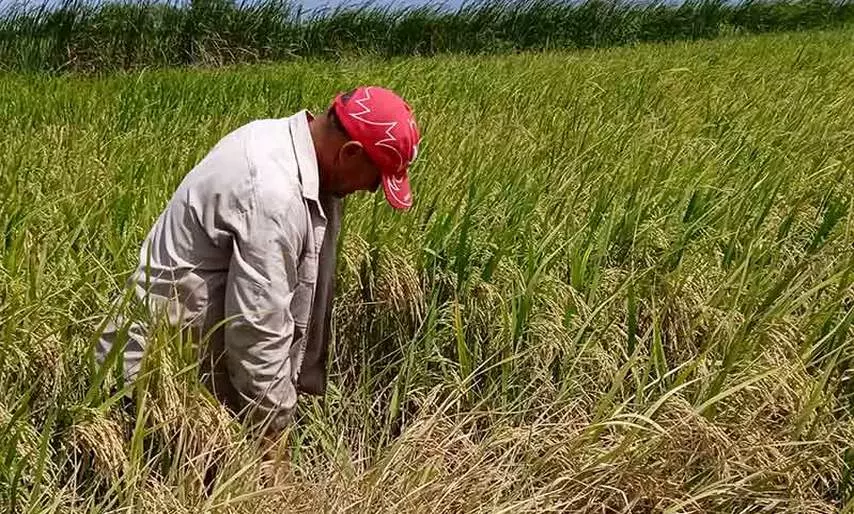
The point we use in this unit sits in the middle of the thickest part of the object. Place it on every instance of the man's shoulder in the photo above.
(257, 132)
(272, 169)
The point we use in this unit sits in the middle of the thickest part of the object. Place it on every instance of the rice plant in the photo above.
(626, 285)
(96, 36)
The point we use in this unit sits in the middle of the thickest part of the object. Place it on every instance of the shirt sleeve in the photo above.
(259, 327)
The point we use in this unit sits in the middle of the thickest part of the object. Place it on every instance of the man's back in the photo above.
(231, 242)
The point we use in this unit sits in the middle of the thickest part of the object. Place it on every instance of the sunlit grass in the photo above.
(626, 285)
(95, 36)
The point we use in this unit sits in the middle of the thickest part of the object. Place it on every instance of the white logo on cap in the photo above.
(414, 154)
(390, 125)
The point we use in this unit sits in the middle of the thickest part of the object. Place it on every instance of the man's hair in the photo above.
(333, 116)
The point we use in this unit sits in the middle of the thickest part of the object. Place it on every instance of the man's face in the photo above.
(354, 171)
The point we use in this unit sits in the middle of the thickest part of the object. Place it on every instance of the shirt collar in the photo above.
(306, 157)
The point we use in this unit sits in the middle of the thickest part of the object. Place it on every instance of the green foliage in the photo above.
(627, 281)
(79, 35)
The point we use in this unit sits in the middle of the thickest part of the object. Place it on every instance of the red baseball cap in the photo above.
(384, 124)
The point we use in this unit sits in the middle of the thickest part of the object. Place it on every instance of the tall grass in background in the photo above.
(88, 36)
(626, 285)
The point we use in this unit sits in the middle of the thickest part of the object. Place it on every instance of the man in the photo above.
(244, 253)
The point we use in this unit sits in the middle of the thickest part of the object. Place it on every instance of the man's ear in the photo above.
(351, 149)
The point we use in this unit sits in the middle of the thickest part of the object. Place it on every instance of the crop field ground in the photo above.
(627, 285)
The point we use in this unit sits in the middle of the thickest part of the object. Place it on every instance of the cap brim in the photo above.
(397, 191)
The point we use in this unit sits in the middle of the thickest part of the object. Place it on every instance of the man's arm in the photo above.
(259, 329)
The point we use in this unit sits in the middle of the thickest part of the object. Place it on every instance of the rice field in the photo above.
(627, 285)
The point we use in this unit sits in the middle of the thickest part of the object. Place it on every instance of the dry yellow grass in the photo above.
(626, 286)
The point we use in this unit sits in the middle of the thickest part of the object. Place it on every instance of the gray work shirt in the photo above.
(246, 244)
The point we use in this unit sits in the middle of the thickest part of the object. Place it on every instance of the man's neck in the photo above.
(318, 136)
